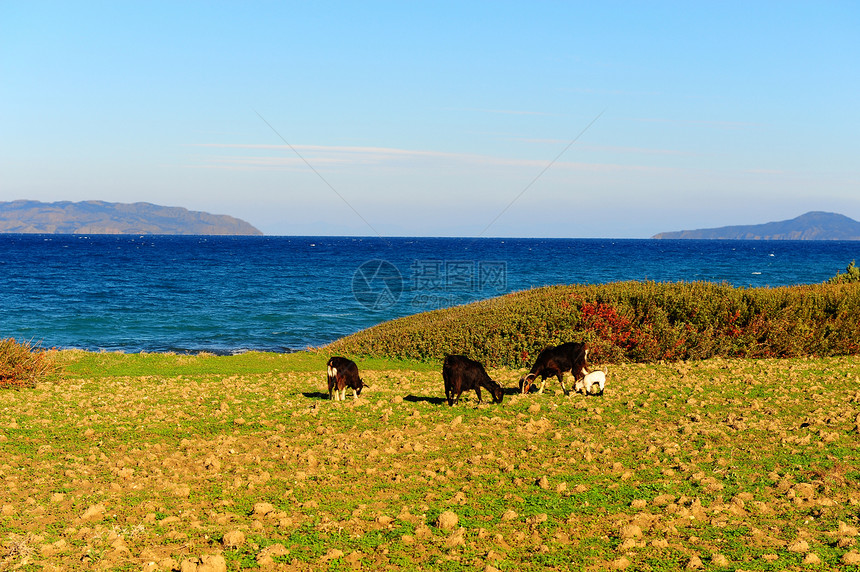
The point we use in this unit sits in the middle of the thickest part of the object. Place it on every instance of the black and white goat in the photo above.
(343, 373)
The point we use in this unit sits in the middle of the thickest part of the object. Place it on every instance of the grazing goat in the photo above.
(571, 356)
(343, 373)
(461, 374)
(592, 378)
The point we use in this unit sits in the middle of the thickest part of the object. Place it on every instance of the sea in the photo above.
(232, 294)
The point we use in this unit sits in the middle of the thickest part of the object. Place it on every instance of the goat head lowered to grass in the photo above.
(570, 356)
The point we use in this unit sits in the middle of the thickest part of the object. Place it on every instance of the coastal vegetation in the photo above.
(851, 274)
(178, 462)
(22, 364)
(629, 322)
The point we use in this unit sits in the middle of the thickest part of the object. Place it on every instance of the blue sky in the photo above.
(437, 119)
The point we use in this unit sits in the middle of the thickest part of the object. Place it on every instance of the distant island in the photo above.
(99, 217)
(810, 226)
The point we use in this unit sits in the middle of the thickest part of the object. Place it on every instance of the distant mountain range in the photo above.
(810, 226)
(99, 217)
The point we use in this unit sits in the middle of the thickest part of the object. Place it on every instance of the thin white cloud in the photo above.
(610, 148)
(381, 151)
(338, 156)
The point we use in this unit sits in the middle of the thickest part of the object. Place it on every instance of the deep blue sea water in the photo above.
(232, 294)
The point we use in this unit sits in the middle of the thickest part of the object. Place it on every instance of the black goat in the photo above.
(462, 374)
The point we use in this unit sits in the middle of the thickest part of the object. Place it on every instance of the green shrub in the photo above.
(629, 322)
(851, 274)
(22, 365)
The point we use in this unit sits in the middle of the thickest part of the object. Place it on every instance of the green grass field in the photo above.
(169, 462)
